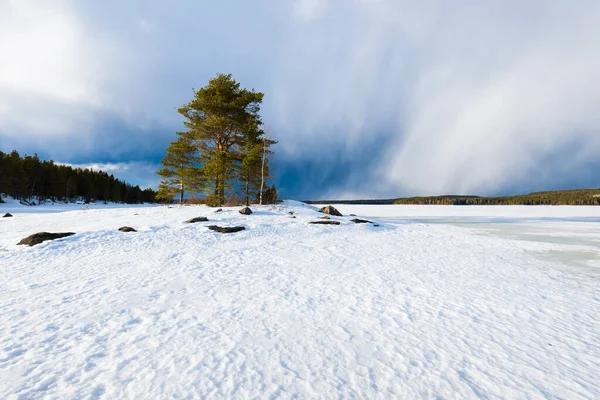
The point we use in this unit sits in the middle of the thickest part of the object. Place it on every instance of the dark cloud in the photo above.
(368, 98)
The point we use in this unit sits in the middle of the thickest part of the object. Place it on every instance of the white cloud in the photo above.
(467, 96)
(464, 96)
(135, 173)
(309, 9)
(41, 48)
(53, 71)
(146, 26)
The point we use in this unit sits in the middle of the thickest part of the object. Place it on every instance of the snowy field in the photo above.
(436, 302)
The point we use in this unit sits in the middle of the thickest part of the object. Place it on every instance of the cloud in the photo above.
(488, 112)
(48, 64)
(135, 173)
(369, 98)
(466, 96)
(309, 9)
(146, 26)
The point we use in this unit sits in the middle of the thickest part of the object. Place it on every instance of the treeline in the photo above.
(28, 177)
(223, 153)
(577, 197)
(356, 202)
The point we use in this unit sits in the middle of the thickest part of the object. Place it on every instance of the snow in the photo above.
(14, 206)
(436, 302)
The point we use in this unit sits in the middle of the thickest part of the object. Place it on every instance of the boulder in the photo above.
(197, 219)
(127, 229)
(246, 211)
(7, 215)
(325, 222)
(331, 211)
(219, 210)
(360, 221)
(226, 229)
(40, 237)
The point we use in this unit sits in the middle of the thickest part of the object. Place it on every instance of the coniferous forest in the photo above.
(27, 177)
(222, 155)
(573, 197)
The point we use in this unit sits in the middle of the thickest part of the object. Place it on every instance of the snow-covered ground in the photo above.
(436, 302)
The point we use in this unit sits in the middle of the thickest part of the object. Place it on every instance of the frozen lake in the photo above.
(435, 302)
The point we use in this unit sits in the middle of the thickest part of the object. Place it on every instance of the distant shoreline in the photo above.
(573, 197)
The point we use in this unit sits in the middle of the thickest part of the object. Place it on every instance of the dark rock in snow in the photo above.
(197, 219)
(246, 211)
(226, 229)
(127, 229)
(219, 210)
(331, 211)
(325, 222)
(325, 217)
(40, 237)
(352, 215)
(360, 221)
(291, 212)
(7, 215)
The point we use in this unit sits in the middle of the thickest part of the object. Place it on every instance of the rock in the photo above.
(325, 217)
(7, 215)
(197, 219)
(246, 211)
(291, 212)
(226, 229)
(219, 210)
(127, 229)
(325, 222)
(352, 215)
(40, 237)
(331, 211)
(360, 221)
(293, 216)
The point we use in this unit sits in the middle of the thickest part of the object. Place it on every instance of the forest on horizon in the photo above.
(26, 177)
(567, 197)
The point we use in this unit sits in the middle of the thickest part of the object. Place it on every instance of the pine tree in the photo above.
(5, 181)
(254, 168)
(180, 173)
(23, 177)
(217, 118)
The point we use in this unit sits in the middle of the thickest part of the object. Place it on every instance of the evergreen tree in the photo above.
(180, 173)
(254, 167)
(28, 176)
(218, 118)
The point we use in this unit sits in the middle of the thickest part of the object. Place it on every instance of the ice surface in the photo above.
(439, 301)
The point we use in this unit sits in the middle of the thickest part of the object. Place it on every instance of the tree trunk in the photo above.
(33, 187)
(181, 193)
(247, 195)
(181, 185)
(262, 171)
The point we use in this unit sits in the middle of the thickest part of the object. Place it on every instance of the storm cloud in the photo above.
(368, 98)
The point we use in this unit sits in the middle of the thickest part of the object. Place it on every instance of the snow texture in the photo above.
(436, 302)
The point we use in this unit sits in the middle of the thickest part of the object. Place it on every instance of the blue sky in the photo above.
(368, 98)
